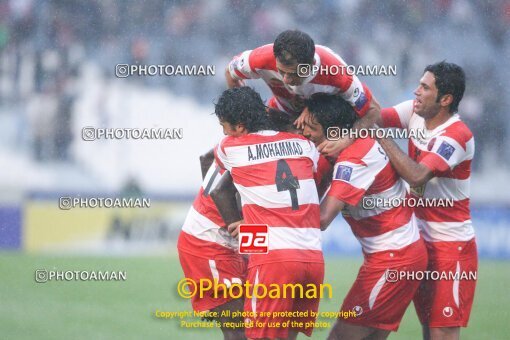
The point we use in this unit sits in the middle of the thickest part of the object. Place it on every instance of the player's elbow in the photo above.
(324, 222)
(418, 179)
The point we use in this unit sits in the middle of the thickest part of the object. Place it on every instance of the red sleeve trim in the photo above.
(345, 192)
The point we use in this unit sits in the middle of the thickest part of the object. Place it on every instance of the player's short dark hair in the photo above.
(450, 79)
(280, 121)
(242, 105)
(331, 111)
(294, 47)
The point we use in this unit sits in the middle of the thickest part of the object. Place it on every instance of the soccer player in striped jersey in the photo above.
(207, 251)
(294, 68)
(274, 175)
(439, 167)
(388, 235)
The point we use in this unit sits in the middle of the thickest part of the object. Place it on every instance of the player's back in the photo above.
(274, 174)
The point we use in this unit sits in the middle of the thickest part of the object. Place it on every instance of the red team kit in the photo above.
(277, 175)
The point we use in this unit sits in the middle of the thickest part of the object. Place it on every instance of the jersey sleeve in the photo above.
(350, 182)
(397, 116)
(446, 153)
(323, 169)
(240, 67)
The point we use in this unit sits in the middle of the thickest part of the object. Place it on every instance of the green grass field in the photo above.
(125, 310)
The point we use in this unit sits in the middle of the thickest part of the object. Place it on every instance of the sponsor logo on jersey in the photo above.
(446, 150)
(343, 173)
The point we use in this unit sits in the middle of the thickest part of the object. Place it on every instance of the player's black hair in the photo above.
(242, 105)
(280, 121)
(450, 79)
(331, 111)
(294, 47)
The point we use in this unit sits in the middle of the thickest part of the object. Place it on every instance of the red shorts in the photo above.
(447, 302)
(378, 299)
(280, 273)
(226, 269)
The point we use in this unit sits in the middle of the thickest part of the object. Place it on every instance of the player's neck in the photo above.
(437, 120)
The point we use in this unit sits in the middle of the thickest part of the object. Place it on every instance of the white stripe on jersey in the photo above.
(267, 196)
(294, 238)
(393, 239)
(361, 178)
(447, 188)
(238, 156)
(446, 231)
(201, 227)
(398, 190)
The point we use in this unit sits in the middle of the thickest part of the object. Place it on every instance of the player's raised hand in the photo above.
(332, 148)
(300, 121)
(233, 228)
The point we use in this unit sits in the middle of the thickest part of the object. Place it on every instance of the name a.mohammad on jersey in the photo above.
(277, 149)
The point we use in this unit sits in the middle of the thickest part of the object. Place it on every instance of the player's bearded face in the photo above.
(312, 129)
(425, 103)
(289, 74)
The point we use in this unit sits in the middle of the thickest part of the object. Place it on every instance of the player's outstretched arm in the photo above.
(205, 162)
(414, 173)
(224, 196)
(333, 148)
(330, 208)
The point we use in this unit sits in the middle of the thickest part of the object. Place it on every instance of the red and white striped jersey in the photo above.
(204, 233)
(447, 151)
(363, 171)
(274, 175)
(261, 63)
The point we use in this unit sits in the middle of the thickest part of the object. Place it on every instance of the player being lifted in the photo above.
(294, 68)
(439, 167)
(207, 251)
(274, 175)
(388, 235)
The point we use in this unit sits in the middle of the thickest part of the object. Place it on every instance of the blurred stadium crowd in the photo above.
(44, 45)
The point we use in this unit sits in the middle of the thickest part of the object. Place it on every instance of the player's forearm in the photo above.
(205, 162)
(371, 117)
(224, 198)
(413, 173)
(330, 208)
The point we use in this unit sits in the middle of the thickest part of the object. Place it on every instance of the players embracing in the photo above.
(389, 235)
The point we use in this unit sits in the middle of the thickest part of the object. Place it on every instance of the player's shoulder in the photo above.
(263, 58)
(328, 56)
(358, 151)
(458, 131)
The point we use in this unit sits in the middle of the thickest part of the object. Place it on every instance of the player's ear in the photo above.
(241, 128)
(446, 100)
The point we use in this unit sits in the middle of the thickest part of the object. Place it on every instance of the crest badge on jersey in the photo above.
(446, 150)
(343, 173)
(431, 144)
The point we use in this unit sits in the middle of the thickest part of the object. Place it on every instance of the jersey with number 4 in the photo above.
(274, 175)
(447, 151)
